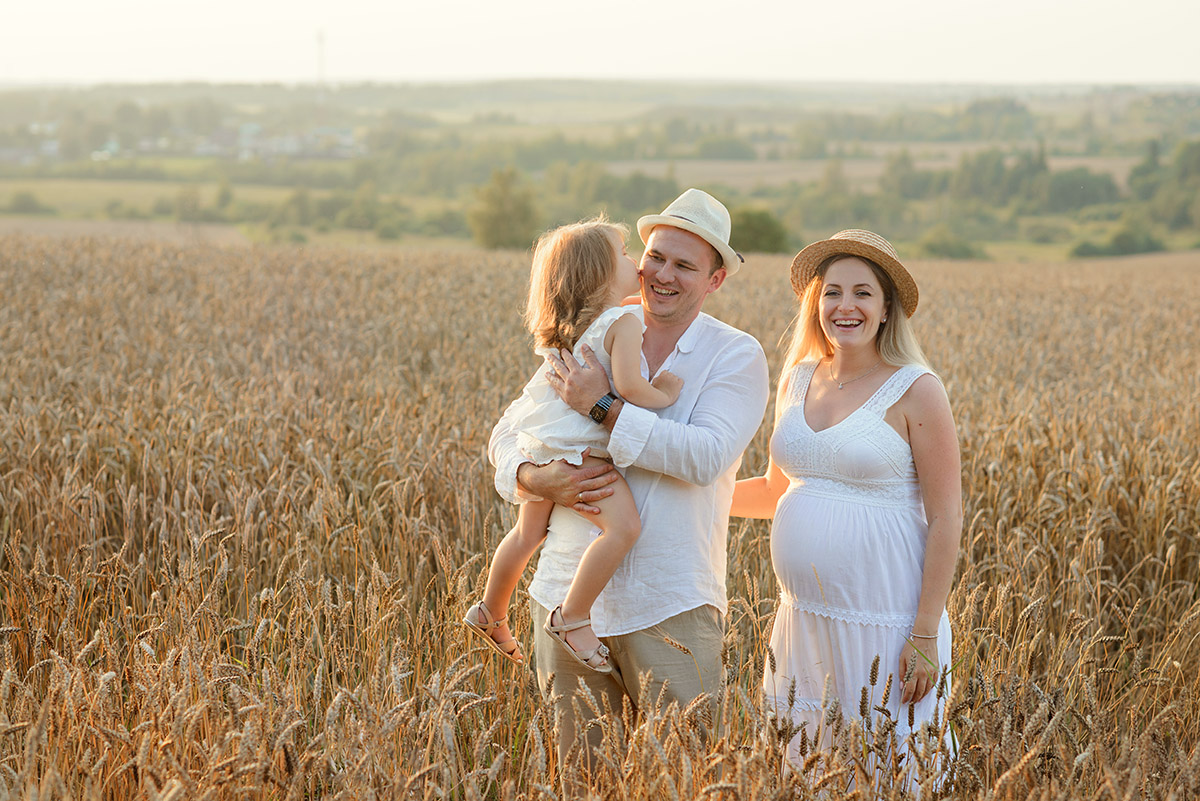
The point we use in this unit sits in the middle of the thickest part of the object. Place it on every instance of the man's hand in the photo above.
(579, 385)
(568, 485)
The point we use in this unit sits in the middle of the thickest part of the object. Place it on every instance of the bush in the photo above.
(940, 242)
(27, 203)
(757, 231)
(1134, 236)
(116, 209)
(389, 228)
(449, 222)
(725, 147)
(1045, 233)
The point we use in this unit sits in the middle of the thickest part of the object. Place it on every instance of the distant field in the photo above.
(862, 173)
(73, 198)
(146, 230)
(244, 500)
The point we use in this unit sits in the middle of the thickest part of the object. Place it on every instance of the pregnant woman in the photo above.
(864, 487)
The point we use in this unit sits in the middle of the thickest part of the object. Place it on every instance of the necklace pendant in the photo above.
(840, 385)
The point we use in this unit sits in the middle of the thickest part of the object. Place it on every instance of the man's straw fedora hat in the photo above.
(699, 213)
(863, 244)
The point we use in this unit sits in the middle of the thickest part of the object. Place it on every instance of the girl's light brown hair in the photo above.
(573, 267)
(896, 340)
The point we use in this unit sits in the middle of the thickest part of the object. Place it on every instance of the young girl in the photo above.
(581, 272)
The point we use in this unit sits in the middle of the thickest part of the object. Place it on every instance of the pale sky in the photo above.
(943, 41)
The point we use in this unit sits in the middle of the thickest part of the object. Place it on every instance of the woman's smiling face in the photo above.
(852, 303)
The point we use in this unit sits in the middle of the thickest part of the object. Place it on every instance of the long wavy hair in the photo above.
(573, 268)
(895, 339)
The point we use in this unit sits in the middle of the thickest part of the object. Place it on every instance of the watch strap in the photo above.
(600, 409)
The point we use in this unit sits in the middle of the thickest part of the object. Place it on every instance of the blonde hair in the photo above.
(895, 339)
(573, 268)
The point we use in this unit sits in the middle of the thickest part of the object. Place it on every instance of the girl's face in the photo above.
(626, 279)
(852, 303)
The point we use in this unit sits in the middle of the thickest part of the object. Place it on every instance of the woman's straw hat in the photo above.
(863, 244)
(699, 213)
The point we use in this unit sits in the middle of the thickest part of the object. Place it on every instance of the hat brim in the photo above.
(732, 262)
(804, 267)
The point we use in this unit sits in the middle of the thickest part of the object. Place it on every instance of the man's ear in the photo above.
(716, 279)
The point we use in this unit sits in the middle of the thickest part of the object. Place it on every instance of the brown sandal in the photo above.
(595, 659)
(510, 649)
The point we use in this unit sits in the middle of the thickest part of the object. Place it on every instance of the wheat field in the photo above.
(244, 500)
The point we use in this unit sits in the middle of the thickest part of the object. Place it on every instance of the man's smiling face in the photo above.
(677, 274)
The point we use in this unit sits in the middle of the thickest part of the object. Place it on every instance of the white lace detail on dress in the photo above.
(900, 621)
(894, 388)
(817, 455)
(780, 704)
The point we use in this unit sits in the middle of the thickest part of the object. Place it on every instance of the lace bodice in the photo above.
(860, 459)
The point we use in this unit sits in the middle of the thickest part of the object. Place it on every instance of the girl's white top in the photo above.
(549, 429)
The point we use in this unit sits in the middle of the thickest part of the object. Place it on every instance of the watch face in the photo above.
(600, 410)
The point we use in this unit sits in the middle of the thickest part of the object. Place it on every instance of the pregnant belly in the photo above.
(848, 557)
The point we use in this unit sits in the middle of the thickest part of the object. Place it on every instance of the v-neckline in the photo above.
(859, 408)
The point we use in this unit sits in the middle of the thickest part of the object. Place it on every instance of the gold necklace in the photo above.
(852, 380)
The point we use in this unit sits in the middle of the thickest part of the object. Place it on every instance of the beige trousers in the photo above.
(675, 661)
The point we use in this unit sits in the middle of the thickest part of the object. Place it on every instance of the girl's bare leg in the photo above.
(620, 527)
(512, 555)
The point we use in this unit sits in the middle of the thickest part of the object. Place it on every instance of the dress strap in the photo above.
(798, 381)
(894, 388)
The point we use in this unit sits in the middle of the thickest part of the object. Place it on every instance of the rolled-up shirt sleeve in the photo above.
(728, 412)
(506, 457)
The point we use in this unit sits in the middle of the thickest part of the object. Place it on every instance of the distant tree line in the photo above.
(422, 176)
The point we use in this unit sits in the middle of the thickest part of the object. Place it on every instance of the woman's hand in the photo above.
(923, 654)
(570, 486)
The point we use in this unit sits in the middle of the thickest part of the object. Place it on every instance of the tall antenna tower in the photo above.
(321, 65)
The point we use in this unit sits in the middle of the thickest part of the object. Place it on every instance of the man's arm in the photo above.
(518, 480)
(725, 418)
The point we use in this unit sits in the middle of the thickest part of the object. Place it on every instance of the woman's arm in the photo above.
(938, 463)
(623, 341)
(757, 497)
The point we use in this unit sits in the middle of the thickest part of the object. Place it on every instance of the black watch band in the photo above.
(600, 410)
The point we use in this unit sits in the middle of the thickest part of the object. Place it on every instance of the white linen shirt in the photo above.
(681, 463)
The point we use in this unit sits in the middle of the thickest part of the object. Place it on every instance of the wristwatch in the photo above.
(600, 410)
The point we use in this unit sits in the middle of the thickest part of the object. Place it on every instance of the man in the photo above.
(662, 614)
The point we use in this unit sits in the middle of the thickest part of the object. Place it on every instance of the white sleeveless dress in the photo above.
(549, 429)
(848, 548)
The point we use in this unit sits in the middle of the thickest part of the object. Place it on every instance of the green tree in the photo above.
(1147, 175)
(503, 215)
(187, 205)
(1073, 189)
(224, 194)
(757, 231)
(27, 203)
(725, 147)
